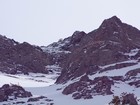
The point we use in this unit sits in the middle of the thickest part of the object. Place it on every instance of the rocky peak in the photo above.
(101, 60)
(110, 29)
(103, 46)
(115, 32)
(77, 37)
(113, 21)
(6, 42)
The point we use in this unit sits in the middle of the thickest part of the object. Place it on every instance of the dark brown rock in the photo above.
(105, 45)
(13, 90)
(133, 72)
(77, 37)
(118, 78)
(129, 99)
(103, 85)
(86, 88)
(85, 78)
(125, 99)
(135, 83)
(133, 77)
(21, 58)
(116, 100)
(33, 99)
(3, 97)
(20, 102)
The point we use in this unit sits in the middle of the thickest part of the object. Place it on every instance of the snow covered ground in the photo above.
(116, 72)
(53, 92)
(31, 80)
(43, 85)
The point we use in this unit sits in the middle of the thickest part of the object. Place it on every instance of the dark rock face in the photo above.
(31, 57)
(125, 99)
(21, 58)
(86, 88)
(129, 99)
(3, 97)
(103, 85)
(133, 75)
(135, 83)
(7, 91)
(105, 45)
(77, 37)
(105, 49)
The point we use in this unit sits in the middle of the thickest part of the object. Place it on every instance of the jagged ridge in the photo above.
(21, 57)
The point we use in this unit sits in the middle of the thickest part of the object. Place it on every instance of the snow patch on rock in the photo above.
(56, 47)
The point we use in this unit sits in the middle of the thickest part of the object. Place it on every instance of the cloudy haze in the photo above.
(42, 22)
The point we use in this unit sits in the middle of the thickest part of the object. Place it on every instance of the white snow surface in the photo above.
(128, 61)
(132, 52)
(60, 99)
(43, 85)
(31, 80)
(115, 32)
(115, 72)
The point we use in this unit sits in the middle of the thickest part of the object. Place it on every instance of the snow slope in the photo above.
(31, 80)
(43, 84)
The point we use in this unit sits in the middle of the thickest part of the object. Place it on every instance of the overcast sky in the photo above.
(42, 22)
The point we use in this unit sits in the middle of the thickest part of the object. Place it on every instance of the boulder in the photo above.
(15, 91)
(86, 88)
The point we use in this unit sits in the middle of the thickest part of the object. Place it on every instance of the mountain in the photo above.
(99, 62)
(106, 45)
(21, 57)
(99, 67)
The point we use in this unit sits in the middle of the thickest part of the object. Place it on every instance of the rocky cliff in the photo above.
(93, 63)
(21, 57)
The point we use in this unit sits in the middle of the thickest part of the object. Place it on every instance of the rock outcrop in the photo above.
(106, 45)
(12, 92)
(112, 47)
(21, 57)
(125, 99)
(86, 88)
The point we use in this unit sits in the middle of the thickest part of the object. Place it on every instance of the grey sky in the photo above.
(42, 22)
